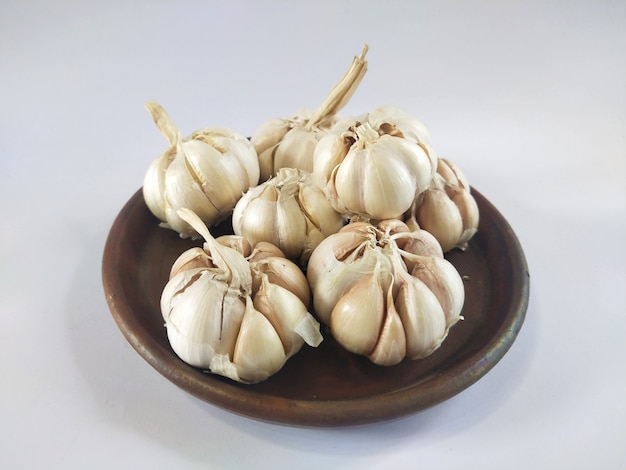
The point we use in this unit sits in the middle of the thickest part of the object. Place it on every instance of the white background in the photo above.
(529, 98)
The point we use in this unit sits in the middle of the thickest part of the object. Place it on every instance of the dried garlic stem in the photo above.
(227, 259)
(163, 122)
(342, 91)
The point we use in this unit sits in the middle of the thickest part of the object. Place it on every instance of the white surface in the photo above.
(529, 98)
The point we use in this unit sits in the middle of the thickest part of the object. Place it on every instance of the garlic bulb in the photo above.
(447, 209)
(236, 316)
(206, 172)
(288, 211)
(289, 143)
(382, 295)
(373, 167)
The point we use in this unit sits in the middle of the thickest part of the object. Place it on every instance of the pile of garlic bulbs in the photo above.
(338, 220)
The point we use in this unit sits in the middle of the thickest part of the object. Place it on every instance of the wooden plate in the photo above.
(324, 386)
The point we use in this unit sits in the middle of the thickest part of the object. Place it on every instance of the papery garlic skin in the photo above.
(235, 316)
(290, 143)
(447, 208)
(371, 169)
(374, 305)
(206, 173)
(288, 211)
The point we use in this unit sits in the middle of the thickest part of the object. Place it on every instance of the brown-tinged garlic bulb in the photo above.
(289, 143)
(234, 310)
(374, 166)
(447, 208)
(288, 211)
(380, 300)
(206, 173)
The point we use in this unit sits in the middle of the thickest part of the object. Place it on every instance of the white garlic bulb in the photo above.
(373, 167)
(206, 173)
(447, 208)
(383, 301)
(238, 316)
(289, 143)
(288, 211)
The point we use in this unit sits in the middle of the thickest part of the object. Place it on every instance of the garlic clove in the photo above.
(259, 352)
(285, 311)
(357, 318)
(444, 168)
(314, 204)
(439, 215)
(237, 243)
(391, 347)
(277, 143)
(468, 208)
(183, 190)
(177, 284)
(452, 173)
(209, 165)
(191, 259)
(422, 316)
(291, 228)
(442, 278)
(264, 250)
(296, 149)
(458, 190)
(254, 213)
(154, 184)
(418, 242)
(330, 277)
(266, 140)
(328, 155)
(282, 272)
